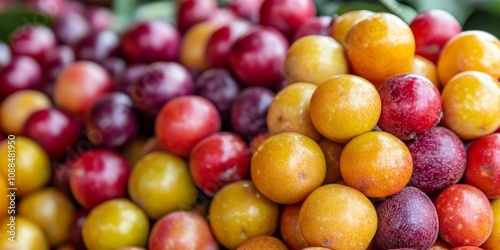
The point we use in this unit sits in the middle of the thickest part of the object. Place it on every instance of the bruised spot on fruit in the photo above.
(487, 171)
(302, 175)
(327, 243)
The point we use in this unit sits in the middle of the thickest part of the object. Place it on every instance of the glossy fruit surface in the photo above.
(114, 224)
(286, 16)
(29, 236)
(192, 12)
(338, 216)
(220, 42)
(70, 28)
(53, 62)
(344, 23)
(21, 73)
(287, 167)
(97, 46)
(184, 121)
(158, 175)
(423, 67)
(125, 81)
(32, 41)
(320, 25)
(5, 54)
(239, 212)
(248, 9)
(193, 52)
(18, 107)
(99, 18)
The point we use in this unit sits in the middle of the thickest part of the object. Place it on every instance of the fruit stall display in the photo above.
(248, 124)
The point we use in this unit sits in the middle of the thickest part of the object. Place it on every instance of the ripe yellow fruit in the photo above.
(194, 44)
(345, 106)
(423, 67)
(344, 23)
(314, 59)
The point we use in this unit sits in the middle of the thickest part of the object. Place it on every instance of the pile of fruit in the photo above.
(257, 125)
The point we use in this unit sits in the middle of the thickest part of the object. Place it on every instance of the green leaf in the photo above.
(482, 20)
(405, 12)
(351, 6)
(164, 10)
(10, 19)
(460, 9)
(123, 12)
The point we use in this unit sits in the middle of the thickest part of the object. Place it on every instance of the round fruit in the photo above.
(18, 107)
(286, 16)
(53, 62)
(32, 40)
(332, 151)
(439, 160)
(465, 215)
(411, 106)
(257, 57)
(471, 104)
(125, 81)
(194, 45)
(376, 163)
(289, 111)
(380, 46)
(217, 160)
(182, 230)
(28, 235)
(159, 175)
(184, 121)
(314, 59)
(192, 12)
(345, 106)
(79, 85)
(423, 67)
(339, 217)
(263, 242)
(494, 240)
(320, 25)
(483, 165)
(287, 167)
(469, 50)
(98, 46)
(32, 166)
(70, 28)
(239, 212)
(96, 170)
(115, 223)
(51, 210)
(248, 9)
(343, 24)
(220, 42)
(407, 219)
(21, 73)
(289, 227)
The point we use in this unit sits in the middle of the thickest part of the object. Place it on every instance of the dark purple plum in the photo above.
(70, 28)
(114, 65)
(99, 18)
(111, 122)
(249, 111)
(439, 160)
(220, 43)
(97, 46)
(126, 80)
(219, 87)
(32, 41)
(22, 72)
(151, 41)
(5, 55)
(407, 219)
(53, 62)
(258, 56)
(161, 82)
(191, 12)
(319, 25)
(54, 130)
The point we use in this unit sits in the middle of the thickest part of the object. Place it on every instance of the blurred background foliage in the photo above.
(472, 14)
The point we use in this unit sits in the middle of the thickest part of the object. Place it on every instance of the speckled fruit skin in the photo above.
(289, 227)
(494, 240)
(411, 106)
(407, 219)
(483, 165)
(465, 215)
(439, 159)
(263, 242)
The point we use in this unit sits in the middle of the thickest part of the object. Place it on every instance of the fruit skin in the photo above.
(344, 23)
(239, 212)
(286, 15)
(380, 46)
(465, 215)
(79, 85)
(115, 223)
(151, 41)
(345, 106)
(332, 151)
(98, 46)
(494, 239)
(220, 42)
(469, 50)
(4, 203)
(248, 9)
(483, 165)
(287, 167)
(320, 25)
(314, 59)
(29, 236)
(53, 62)
(5, 54)
(257, 57)
(184, 121)
(427, 69)
(182, 230)
(32, 40)
(194, 45)
(21, 73)
(411, 106)
(96, 170)
(32, 169)
(407, 219)
(70, 28)
(158, 175)
(289, 227)
(376, 163)
(192, 12)
(249, 111)
(439, 160)
(160, 83)
(471, 104)
(263, 242)
(337, 216)
(217, 160)
(51, 210)
(289, 111)
(432, 29)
